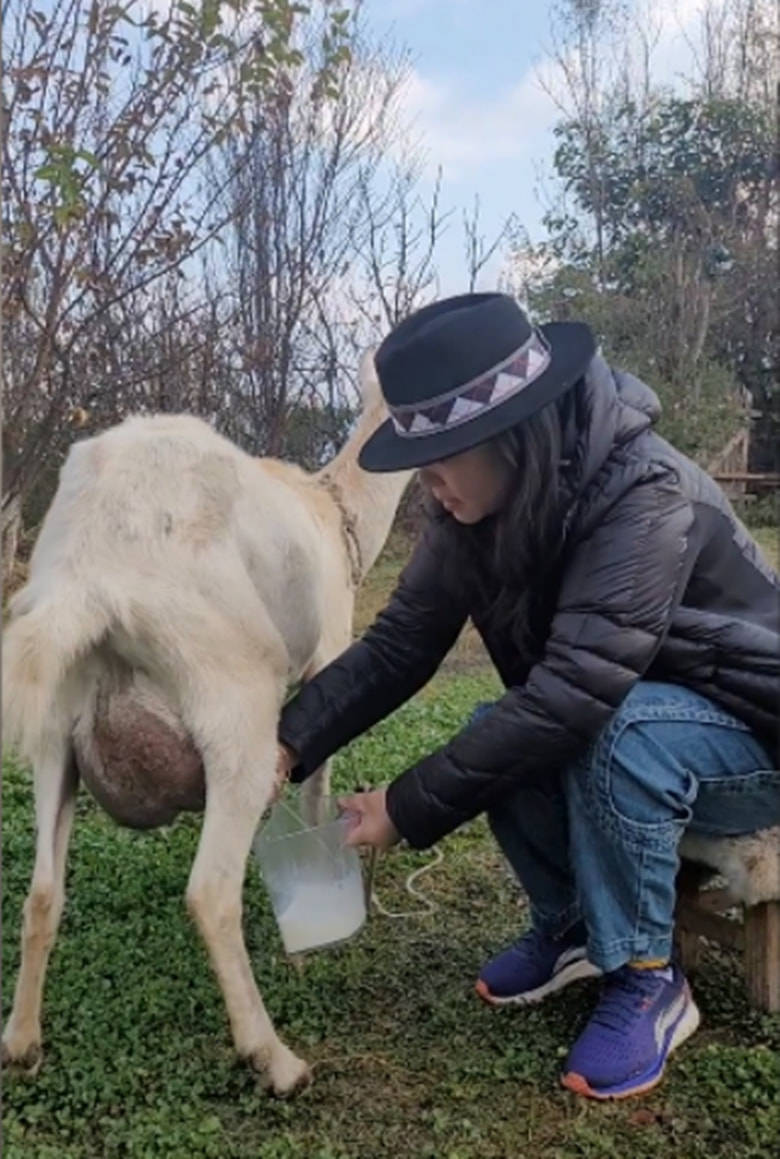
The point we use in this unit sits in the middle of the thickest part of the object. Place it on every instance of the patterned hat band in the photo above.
(478, 396)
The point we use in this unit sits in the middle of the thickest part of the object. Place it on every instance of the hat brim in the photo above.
(572, 346)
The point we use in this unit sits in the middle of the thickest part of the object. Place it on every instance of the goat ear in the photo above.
(367, 379)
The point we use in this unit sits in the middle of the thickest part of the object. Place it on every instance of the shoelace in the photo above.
(624, 998)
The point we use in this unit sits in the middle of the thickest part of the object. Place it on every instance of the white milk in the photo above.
(322, 912)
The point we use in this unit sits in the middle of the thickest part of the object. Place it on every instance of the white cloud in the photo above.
(460, 131)
(674, 25)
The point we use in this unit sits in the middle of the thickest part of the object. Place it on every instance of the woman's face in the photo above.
(471, 485)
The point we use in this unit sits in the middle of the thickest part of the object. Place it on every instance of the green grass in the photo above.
(468, 654)
(408, 1064)
(769, 542)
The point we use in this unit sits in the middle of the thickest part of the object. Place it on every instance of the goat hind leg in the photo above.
(55, 782)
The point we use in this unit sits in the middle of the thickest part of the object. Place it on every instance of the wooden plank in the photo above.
(762, 955)
(688, 949)
(716, 901)
(766, 479)
(709, 925)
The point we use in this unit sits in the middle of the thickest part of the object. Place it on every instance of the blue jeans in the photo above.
(598, 841)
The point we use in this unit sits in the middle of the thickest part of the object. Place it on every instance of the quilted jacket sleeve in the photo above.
(395, 657)
(615, 606)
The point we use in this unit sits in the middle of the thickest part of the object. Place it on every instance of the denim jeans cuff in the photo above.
(613, 955)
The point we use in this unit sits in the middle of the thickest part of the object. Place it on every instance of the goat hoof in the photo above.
(289, 1086)
(27, 1059)
(286, 1076)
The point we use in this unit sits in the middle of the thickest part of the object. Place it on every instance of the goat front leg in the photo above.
(239, 780)
(55, 782)
(314, 793)
(317, 787)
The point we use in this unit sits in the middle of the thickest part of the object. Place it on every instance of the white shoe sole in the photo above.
(688, 1025)
(571, 972)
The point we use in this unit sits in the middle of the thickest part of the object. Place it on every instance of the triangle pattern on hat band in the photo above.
(465, 408)
(477, 397)
(421, 425)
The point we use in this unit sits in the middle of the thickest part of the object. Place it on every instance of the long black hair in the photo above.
(514, 553)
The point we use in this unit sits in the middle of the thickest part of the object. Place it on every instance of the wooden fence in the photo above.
(730, 469)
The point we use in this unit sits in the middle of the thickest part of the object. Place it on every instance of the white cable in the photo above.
(430, 906)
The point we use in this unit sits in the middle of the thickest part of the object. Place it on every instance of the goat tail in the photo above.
(40, 647)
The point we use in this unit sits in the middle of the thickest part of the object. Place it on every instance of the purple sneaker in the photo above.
(535, 966)
(640, 1019)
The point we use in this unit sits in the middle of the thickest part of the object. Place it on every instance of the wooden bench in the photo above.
(751, 868)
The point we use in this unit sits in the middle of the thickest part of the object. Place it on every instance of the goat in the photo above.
(176, 588)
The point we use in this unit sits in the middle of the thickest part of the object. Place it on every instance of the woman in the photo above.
(634, 624)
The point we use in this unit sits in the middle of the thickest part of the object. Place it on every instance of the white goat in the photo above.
(176, 588)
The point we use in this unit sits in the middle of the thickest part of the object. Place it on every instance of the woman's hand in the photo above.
(373, 825)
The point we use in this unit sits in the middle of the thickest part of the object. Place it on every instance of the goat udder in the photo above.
(139, 768)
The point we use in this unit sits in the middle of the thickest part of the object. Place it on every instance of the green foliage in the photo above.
(664, 243)
(115, 116)
(660, 169)
(762, 514)
(138, 1061)
(699, 413)
(60, 170)
(313, 434)
(116, 146)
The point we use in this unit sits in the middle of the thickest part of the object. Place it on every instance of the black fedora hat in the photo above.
(462, 370)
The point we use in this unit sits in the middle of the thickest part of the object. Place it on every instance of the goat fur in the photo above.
(750, 864)
(176, 588)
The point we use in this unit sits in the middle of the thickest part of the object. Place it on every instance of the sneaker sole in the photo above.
(686, 1025)
(571, 972)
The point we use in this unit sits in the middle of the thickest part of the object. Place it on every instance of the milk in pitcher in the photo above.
(320, 913)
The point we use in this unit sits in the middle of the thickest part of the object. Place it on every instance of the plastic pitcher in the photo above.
(314, 881)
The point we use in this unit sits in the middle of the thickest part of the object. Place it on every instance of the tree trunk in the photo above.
(11, 526)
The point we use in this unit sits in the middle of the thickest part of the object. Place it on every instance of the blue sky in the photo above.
(473, 101)
(475, 98)
(491, 41)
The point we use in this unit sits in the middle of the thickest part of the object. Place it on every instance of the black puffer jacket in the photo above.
(658, 579)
